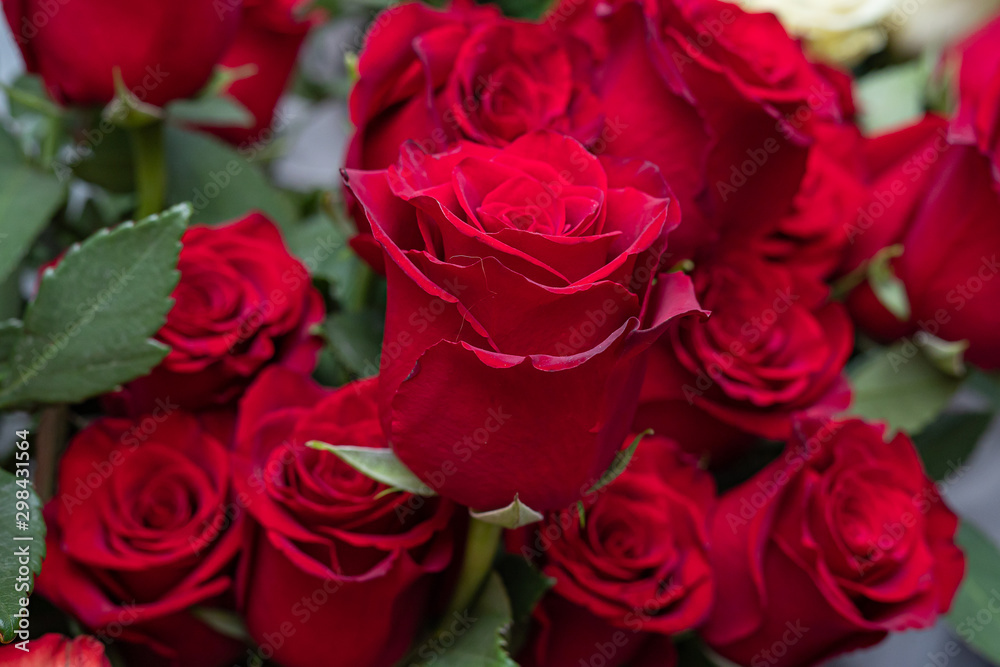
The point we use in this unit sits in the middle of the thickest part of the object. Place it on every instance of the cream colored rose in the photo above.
(840, 31)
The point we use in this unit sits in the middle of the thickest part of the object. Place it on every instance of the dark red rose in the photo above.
(723, 101)
(978, 120)
(336, 559)
(838, 542)
(270, 34)
(771, 348)
(636, 567)
(518, 280)
(243, 302)
(938, 200)
(52, 649)
(139, 534)
(811, 238)
(465, 73)
(165, 50)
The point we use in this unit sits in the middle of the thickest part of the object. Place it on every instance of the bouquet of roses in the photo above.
(614, 333)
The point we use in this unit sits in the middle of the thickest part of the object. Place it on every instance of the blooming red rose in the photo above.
(52, 649)
(839, 541)
(336, 557)
(723, 101)
(466, 72)
(270, 35)
(772, 348)
(165, 51)
(518, 280)
(242, 302)
(638, 563)
(977, 122)
(938, 200)
(138, 535)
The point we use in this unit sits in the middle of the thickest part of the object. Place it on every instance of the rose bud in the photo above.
(634, 571)
(940, 202)
(773, 347)
(335, 558)
(518, 280)
(53, 649)
(165, 51)
(839, 541)
(139, 534)
(243, 302)
(270, 36)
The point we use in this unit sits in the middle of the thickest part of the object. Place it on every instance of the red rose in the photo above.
(938, 200)
(810, 239)
(165, 50)
(465, 73)
(637, 566)
(336, 560)
(136, 538)
(268, 40)
(723, 101)
(978, 120)
(436, 77)
(772, 348)
(517, 280)
(52, 649)
(242, 302)
(839, 541)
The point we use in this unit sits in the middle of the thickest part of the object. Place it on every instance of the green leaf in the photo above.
(894, 96)
(379, 463)
(322, 246)
(14, 586)
(888, 288)
(525, 585)
(987, 384)
(89, 328)
(512, 516)
(898, 385)
(27, 95)
(221, 183)
(524, 9)
(28, 200)
(212, 110)
(477, 639)
(947, 356)
(224, 621)
(104, 157)
(10, 333)
(620, 462)
(947, 443)
(355, 339)
(979, 594)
